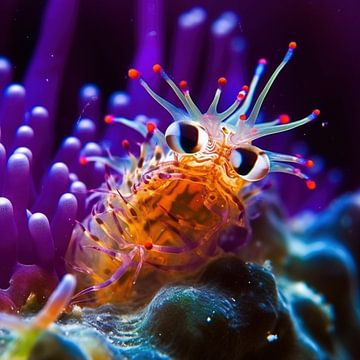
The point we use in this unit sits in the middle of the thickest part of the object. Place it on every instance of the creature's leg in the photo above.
(127, 261)
(140, 264)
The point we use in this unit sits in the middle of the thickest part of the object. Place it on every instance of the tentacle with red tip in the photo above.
(264, 130)
(259, 71)
(176, 113)
(189, 105)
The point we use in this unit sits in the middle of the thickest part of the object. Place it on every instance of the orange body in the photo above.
(169, 225)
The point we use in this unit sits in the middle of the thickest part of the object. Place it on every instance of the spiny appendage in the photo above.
(241, 120)
(166, 224)
(30, 331)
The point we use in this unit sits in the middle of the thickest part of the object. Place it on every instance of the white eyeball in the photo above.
(186, 137)
(250, 162)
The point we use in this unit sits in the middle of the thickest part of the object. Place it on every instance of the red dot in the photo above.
(222, 81)
(183, 85)
(284, 119)
(240, 96)
(148, 245)
(316, 112)
(83, 160)
(125, 144)
(133, 74)
(109, 119)
(243, 117)
(292, 45)
(245, 88)
(157, 68)
(309, 163)
(311, 184)
(150, 127)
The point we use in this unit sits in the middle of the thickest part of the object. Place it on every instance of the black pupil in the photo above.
(189, 137)
(248, 160)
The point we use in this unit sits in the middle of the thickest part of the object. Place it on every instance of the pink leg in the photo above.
(127, 262)
(140, 264)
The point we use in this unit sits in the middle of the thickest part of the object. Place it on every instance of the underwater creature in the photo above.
(165, 209)
(303, 306)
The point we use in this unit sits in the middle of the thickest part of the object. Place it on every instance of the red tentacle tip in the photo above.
(148, 245)
(150, 126)
(243, 117)
(157, 68)
(245, 88)
(183, 85)
(316, 112)
(241, 95)
(133, 74)
(222, 81)
(109, 119)
(309, 163)
(292, 45)
(263, 61)
(83, 160)
(284, 119)
(311, 184)
(125, 144)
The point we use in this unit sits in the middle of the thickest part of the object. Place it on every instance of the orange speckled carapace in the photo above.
(159, 215)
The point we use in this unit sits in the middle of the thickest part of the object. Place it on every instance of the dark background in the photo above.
(325, 73)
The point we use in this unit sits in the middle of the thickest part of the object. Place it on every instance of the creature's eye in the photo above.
(186, 137)
(251, 163)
